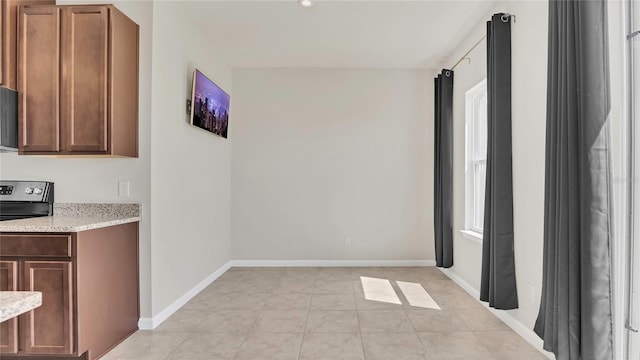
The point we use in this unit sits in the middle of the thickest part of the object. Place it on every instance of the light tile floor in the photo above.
(324, 313)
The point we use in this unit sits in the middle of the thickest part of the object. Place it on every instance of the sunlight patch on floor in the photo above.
(379, 290)
(417, 295)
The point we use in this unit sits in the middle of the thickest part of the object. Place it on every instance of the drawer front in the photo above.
(35, 245)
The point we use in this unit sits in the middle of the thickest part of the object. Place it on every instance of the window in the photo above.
(633, 98)
(476, 156)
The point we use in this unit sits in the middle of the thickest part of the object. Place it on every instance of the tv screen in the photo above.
(209, 105)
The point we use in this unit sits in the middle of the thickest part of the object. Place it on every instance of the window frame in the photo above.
(471, 160)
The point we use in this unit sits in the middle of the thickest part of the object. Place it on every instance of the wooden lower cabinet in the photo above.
(89, 284)
(48, 328)
(9, 328)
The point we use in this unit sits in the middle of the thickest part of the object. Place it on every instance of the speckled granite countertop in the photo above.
(75, 218)
(14, 303)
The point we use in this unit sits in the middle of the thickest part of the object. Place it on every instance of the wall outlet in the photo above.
(347, 241)
(123, 188)
(532, 293)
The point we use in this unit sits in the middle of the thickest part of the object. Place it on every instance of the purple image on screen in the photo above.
(210, 106)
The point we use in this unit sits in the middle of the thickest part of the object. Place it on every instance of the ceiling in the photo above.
(341, 34)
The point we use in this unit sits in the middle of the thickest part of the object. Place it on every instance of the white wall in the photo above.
(96, 180)
(190, 168)
(529, 81)
(529, 64)
(320, 155)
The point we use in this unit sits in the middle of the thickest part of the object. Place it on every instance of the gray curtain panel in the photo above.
(498, 281)
(575, 319)
(443, 168)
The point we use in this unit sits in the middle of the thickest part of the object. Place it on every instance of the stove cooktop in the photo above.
(25, 199)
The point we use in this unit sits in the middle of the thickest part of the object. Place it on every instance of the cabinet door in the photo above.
(9, 39)
(9, 328)
(39, 80)
(84, 61)
(48, 329)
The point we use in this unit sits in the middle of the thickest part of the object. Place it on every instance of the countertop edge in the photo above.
(96, 223)
(21, 302)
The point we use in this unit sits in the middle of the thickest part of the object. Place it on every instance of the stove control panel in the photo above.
(6, 189)
(29, 191)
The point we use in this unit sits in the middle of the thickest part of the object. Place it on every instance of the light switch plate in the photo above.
(123, 188)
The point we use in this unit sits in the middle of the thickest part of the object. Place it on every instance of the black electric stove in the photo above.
(25, 199)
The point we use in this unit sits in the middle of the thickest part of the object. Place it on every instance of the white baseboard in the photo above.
(330, 263)
(152, 323)
(526, 333)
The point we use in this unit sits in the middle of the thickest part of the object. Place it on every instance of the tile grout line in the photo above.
(179, 344)
(415, 331)
(473, 332)
(235, 354)
(304, 331)
(364, 355)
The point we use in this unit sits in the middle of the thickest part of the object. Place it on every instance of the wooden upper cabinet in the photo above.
(88, 104)
(9, 38)
(39, 80)
(84, 110)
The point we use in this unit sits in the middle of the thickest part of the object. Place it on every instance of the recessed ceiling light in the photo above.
(305, 3)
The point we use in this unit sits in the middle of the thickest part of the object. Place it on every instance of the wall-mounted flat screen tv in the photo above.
(209, 105)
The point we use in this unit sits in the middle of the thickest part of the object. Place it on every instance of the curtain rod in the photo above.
(469, 52)
(505, 18)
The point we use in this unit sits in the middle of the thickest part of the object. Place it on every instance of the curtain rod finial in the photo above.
(506, 16)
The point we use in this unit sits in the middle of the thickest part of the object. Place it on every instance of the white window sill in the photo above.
(472, 235)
